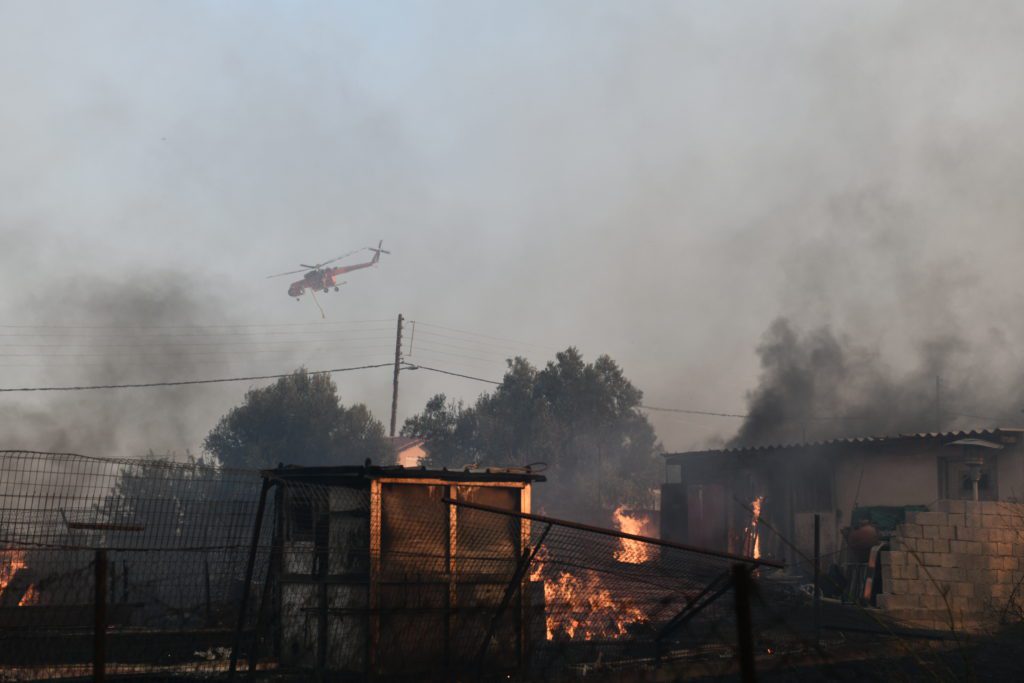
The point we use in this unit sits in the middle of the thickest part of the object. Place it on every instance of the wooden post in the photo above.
(744, 625)
(99, 653)
(398, 367)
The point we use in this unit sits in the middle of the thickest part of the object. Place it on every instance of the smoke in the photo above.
(104, 331)
(817, 385)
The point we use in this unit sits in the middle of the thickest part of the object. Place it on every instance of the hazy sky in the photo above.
(655, 181)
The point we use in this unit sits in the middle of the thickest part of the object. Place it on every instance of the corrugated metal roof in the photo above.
(340, 473)
(855, 441)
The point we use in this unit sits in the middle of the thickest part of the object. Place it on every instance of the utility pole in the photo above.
(938, 404)
(398, 366)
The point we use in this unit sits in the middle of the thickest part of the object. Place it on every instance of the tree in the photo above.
(582, 420)
(298, 420)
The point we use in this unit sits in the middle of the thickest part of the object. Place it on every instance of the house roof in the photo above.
(401, 443)
(999, 435)
(348, 474)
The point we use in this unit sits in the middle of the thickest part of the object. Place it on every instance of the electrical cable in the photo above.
(416, 366)
(194, 381)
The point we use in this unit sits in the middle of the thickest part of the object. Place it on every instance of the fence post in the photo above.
(249, 569)
(817, 579)
(99, 647)
(744, 625)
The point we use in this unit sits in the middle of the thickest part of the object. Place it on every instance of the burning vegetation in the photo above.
(580, 603)
(16, 588)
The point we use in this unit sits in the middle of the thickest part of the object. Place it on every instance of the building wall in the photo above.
(958, 566)
(1011, 473)
(884, 478)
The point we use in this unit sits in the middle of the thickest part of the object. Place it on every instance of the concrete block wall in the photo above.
(959, 565)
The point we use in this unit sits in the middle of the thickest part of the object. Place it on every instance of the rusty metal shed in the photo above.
(373, 571)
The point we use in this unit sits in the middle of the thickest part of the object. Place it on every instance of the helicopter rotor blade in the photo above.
(356, 251)
(290, 272)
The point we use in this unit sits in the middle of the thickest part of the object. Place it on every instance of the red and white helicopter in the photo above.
(319, 277)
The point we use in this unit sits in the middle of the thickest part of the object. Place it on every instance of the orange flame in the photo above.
(579, 606)
(633, 552)
(31, 597)
(753, 542)
(10, 562)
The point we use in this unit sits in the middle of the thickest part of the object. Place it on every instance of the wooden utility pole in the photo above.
(398, 366)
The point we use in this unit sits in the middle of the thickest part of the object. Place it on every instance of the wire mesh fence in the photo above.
(172, 541)
(185, 571)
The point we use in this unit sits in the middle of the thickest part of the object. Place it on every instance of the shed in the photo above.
(708, 495)
(376, 573)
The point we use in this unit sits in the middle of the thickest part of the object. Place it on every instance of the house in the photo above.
(409, 451)
(709, 496)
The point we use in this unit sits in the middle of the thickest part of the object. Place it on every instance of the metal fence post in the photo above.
(817, 579)
(249, 569)
(99, 652)
(744, 625)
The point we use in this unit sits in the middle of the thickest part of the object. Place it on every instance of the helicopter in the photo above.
(318, 277)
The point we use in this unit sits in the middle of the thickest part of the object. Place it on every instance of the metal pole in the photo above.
(744, 625)
(249, 568)
(99, 654)
(398, 366)
(817, 578)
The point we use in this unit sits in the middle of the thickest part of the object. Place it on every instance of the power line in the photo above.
(692, 412)
(412, 366)
(194, 381)
(190, 327)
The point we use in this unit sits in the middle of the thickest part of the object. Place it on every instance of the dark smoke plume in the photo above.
(818, 385)
(105, 331)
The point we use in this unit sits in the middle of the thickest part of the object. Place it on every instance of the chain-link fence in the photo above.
(152, 570)
(147, 553)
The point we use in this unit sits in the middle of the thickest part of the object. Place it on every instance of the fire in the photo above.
(633, 552)
(31, 596)
(753, 541)
(579, 606)
(10, 562)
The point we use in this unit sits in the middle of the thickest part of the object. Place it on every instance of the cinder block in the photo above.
(992, 522)
(930, 530)
(931, 559)
(909, 571)
(1005, 549)
(889, 573)
(924, 545)
(963, 589)
(959, 547)
(990, 507)
(947, 532)
(940, 545)
(909, 530)
(894, 557)
(929, 518)
(903, 543)
(973, 520)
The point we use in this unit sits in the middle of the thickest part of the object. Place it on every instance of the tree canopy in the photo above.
(298, 420)
(582, 419)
